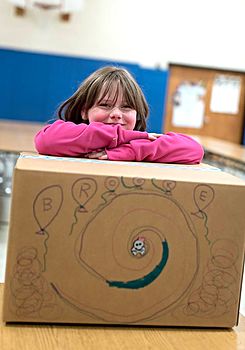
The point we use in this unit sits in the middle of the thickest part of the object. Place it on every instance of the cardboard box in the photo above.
(124, 243)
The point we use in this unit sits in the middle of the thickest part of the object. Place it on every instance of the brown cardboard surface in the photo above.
(124, 243)
(133, 169)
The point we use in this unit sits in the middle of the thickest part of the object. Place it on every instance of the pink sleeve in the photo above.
(169, 148)
(123, 152)
(68, 139)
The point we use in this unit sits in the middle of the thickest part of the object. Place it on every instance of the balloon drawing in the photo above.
(203, 197)
(46, 207)
(166, 186)
(111, 184)
(82, 191)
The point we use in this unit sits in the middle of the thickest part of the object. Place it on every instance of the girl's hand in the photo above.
(97, 155)
(153, 136)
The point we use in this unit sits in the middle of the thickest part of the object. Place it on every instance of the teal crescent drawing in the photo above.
(147, 279)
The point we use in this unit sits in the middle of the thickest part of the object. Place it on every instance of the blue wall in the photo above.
(32, 85)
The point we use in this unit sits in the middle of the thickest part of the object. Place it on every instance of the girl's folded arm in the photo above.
(68, 139)
(168, 148)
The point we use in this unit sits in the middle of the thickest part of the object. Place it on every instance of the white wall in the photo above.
(149, 32)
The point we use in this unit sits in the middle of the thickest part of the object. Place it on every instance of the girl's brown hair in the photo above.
(88, 94)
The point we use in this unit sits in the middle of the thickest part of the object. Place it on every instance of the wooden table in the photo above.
(228, 156)
(15, 137)
(18, 136)
(26, 336)
(223, 148)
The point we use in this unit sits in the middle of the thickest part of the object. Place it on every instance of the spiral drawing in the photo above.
(129, 250)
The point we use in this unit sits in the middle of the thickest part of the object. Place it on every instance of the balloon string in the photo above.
(41, 231)
(202, 215)
(75, 222)
(206, 226)
(162, 189)
(105, 199)
(45, 250)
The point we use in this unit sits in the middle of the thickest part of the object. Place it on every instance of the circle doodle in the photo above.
(131, 290)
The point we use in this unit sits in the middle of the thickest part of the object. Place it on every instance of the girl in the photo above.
(106, 119)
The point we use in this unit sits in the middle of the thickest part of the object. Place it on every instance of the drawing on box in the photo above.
(32, 295)
(82, 191)
(215, 295)
(203, 196)
(166, 186)
(139, 247)
(135, 183)
(143, 243)
(106, 250)
(46, 207)
(146, 233)
(126, 249)
(111, 184)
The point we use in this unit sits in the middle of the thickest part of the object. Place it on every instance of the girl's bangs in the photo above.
(112, 88)
(108, 89)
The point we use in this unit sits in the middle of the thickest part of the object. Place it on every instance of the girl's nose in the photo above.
(116, 113)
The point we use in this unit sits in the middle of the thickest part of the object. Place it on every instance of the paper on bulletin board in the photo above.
(225, 95)
(188, 105)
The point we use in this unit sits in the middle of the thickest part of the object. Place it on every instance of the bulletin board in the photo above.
(206, 102)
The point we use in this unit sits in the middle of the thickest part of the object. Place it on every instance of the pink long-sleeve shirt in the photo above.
(68, 139)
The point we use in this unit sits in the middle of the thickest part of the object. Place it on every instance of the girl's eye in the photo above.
(126, 107)
(105, 105)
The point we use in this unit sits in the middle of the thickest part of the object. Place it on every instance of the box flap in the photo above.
(201, 173)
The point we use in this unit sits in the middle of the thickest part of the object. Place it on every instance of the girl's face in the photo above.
(108, 111)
